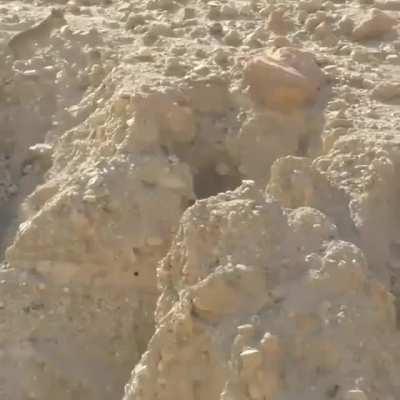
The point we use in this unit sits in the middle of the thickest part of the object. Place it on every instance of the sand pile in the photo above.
(204, 189)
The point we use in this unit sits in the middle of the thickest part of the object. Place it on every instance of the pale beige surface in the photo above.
(116, 117)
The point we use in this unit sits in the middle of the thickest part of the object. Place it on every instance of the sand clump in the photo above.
(202, 193)
(281, 292)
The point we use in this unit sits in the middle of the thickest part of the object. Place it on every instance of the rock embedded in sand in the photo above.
(288, 80)
(278, 22)
(374, 26)
(233, 38)
(386, 91)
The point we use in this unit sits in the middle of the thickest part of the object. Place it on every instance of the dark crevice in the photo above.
(207, 182)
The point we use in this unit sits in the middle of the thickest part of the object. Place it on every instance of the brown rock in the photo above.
(386, 91)
(278, 22)
(374, 26)
(289, 81)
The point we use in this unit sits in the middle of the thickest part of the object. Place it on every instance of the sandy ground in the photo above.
(204, 193)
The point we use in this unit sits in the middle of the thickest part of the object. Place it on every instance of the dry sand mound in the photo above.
(203, 193)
